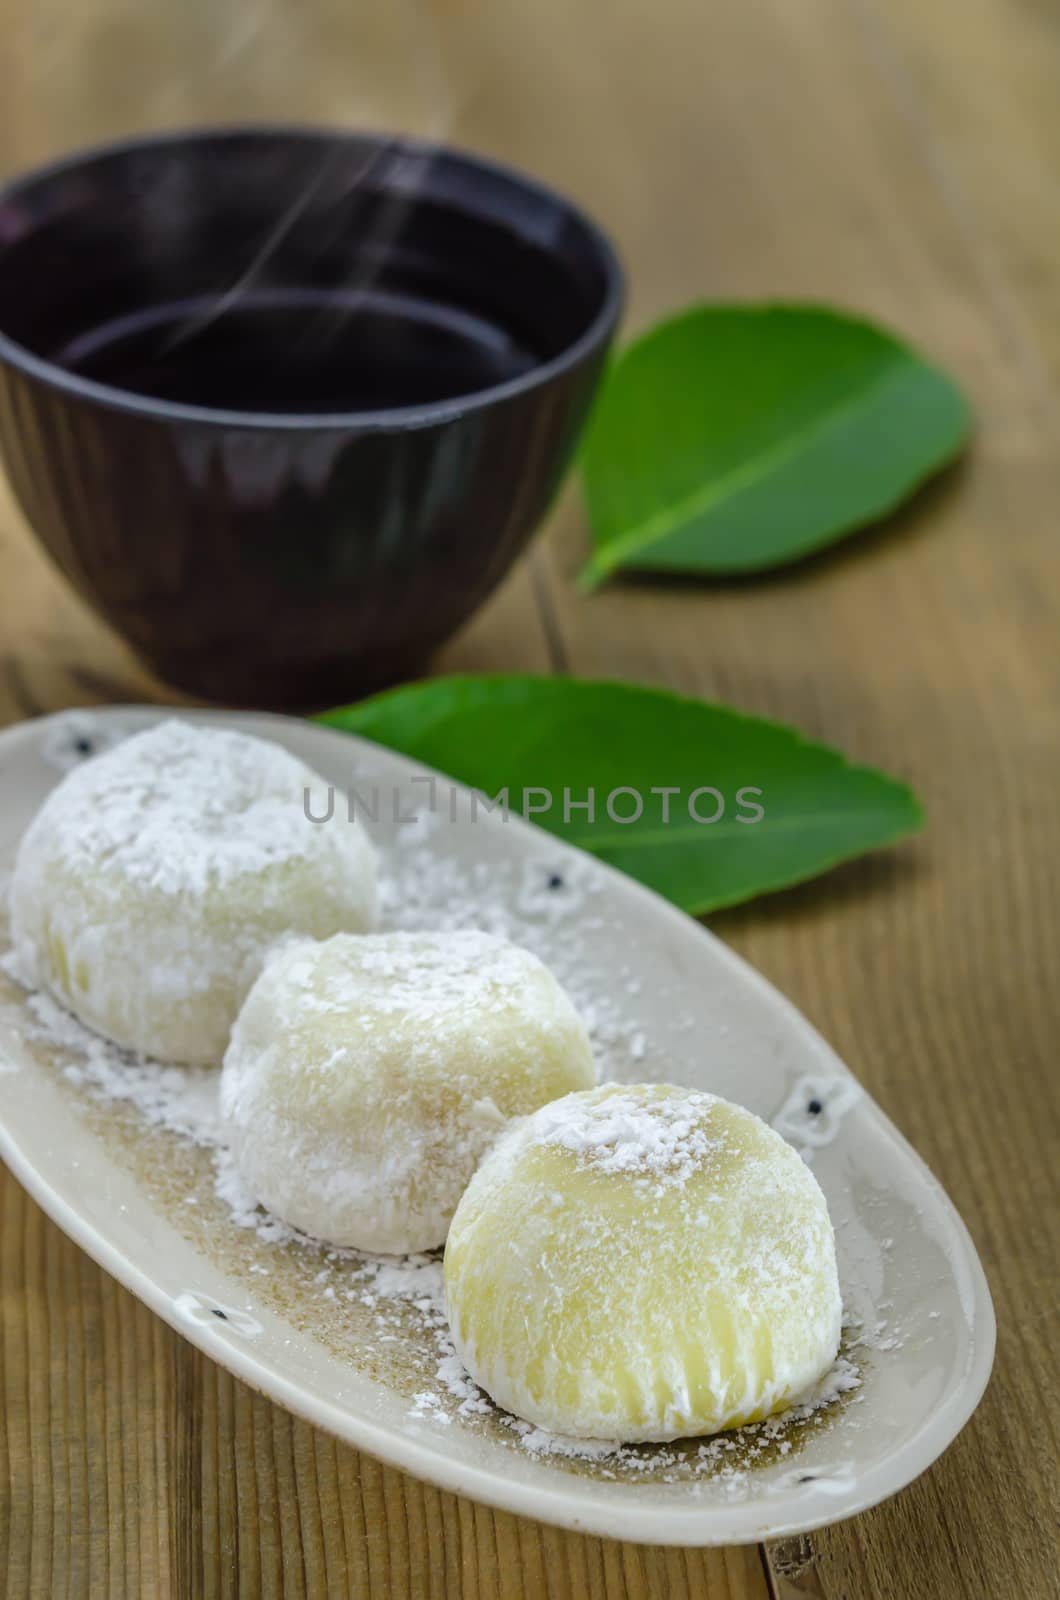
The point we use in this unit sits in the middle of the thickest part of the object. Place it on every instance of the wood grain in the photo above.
(884, 154)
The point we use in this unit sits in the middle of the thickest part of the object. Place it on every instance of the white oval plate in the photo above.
(669, 1001)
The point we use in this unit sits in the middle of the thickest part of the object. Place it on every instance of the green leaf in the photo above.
(731, 439)
(567, 737)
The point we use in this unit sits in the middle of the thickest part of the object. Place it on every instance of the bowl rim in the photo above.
(389, 419)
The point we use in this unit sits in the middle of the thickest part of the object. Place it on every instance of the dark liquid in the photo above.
(312, 351)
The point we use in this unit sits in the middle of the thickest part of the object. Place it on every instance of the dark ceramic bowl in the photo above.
(284, 405)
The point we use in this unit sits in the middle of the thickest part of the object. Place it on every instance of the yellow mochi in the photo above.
(155, 877)
(643, 1263)
(367, 1075)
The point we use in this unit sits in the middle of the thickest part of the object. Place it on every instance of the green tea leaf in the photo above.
(563, 738)
(730, 439)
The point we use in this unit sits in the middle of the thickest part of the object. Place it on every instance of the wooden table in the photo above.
(896, 157)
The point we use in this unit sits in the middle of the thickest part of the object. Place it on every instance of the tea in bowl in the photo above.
(284, 405)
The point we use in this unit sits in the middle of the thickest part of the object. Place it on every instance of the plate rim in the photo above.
(546, 1503)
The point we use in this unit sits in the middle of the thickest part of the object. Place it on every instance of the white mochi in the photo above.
(154, 878)
(366, 1077)
(643, 1263)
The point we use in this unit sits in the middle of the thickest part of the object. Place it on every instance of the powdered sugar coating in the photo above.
(366, 1076)
(655, 1141)
(643, 1263)
(155, 876)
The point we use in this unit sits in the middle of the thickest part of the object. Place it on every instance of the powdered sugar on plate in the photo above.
(180, 1099)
